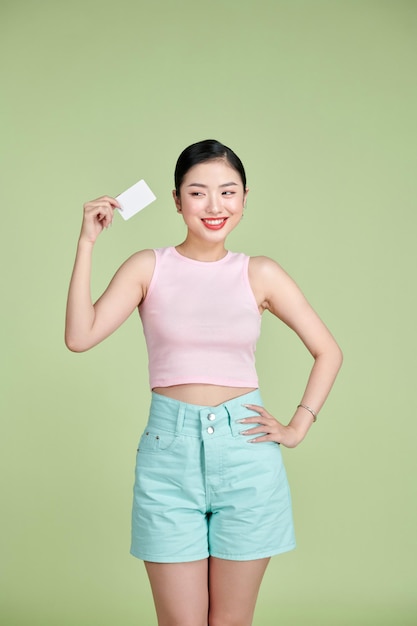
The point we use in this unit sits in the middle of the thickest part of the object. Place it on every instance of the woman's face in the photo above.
(211, 200)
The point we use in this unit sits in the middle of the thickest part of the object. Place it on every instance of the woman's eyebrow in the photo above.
(205, 186)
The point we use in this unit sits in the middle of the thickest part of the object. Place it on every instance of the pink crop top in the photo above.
(201, 321)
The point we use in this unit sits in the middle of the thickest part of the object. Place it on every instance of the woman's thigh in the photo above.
(233, 590)
(180, 592)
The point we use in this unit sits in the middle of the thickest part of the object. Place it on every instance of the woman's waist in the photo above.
(202, 394)
(170, 415)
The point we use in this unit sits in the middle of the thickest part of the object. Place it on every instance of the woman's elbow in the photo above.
(75, 345)
(331, 353)
(338, 356)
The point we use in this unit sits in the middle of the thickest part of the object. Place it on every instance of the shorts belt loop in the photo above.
(229, 417)
(180, 419)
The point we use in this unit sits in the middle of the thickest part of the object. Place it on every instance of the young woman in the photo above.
(211, 499)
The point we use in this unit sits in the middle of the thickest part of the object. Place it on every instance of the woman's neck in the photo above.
(202, 251)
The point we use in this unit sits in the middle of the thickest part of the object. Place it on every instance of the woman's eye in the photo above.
(228, 193)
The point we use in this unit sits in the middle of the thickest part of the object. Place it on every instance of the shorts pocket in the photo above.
(154, 441)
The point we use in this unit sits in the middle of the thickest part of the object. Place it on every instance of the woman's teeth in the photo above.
(214, 224)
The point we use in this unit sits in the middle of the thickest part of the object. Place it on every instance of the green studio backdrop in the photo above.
(319, 100)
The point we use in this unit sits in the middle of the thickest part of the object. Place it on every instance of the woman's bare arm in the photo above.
(86, 323)
(278, 293)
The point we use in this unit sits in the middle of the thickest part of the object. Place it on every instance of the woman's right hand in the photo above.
(98, 214)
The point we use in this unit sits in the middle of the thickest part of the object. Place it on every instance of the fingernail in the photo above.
(240, 421)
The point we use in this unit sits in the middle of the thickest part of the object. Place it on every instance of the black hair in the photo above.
(202, 151)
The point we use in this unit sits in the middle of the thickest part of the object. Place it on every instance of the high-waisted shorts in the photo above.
(202, 490)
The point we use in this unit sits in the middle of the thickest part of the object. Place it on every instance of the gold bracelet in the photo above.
(307, 408)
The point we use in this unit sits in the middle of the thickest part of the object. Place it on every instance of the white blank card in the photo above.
(135, 199)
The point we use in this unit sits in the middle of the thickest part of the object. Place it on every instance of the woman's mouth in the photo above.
(214, 223)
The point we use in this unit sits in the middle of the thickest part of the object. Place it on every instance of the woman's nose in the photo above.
(214, 205)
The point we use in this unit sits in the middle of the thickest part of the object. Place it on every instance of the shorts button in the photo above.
(210, 430)
(211, 417)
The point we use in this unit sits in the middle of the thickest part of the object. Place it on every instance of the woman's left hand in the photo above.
(270, 429)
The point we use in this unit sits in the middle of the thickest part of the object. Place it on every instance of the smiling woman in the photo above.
(211, 197)
(209, 510)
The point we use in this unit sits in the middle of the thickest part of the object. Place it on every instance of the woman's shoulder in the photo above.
(267, 271)
(139, 266)
(141, 258)
(264, 264)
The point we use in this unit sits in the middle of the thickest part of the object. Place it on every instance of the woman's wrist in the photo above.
(300, 424)
(85, 244)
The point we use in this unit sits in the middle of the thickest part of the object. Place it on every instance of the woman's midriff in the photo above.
(202, 395)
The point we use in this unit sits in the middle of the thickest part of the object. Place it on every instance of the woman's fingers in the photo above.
(101, 209)
(98, 214)
(258, 409)
(263, 416)
(266, 425)
(269, 428)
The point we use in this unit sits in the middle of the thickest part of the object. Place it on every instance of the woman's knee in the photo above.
(223, 619)
(183, 621)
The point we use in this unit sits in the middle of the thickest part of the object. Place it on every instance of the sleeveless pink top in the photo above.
(201, 321)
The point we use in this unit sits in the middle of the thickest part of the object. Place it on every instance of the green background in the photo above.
(319, 99)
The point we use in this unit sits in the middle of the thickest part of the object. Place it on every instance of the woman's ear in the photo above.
(245, 197)
(177, 201)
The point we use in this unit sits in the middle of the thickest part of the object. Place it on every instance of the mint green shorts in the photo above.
(202, 490)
